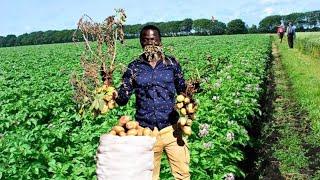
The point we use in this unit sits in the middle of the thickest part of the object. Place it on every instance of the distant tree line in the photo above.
(308, 21)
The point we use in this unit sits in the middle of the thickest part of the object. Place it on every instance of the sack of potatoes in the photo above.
(128, 148)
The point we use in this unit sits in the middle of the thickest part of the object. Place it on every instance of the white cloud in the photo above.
(268, 11)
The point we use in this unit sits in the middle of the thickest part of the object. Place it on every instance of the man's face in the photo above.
(150, 37)
(151, 44)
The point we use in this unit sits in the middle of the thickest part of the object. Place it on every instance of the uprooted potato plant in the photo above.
(93, 88)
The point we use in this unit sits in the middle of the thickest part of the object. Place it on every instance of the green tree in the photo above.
(2, 41)
(24, 39)
(236, 26)
(269, 24)
(306, 21)
(171, 28)
(10, 40)
(186, 25)
(218, 28)
(202, 26)
(253, 29)
(312, 18)
(207, 27)
(132, 31)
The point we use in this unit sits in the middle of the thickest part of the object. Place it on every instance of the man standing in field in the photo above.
(291, 34)
(156, 79)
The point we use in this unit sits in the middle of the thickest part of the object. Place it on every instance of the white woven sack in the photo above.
(121, 158)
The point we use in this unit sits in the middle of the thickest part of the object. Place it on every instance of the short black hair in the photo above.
(150, 27)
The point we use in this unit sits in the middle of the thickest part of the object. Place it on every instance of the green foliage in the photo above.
(236, 26)
(270, 23)
(43, 136)
(208, 27)
(306, 21)
(253, 29)
(303, 71)
(295, 116)
(309, 43)
(186, 25)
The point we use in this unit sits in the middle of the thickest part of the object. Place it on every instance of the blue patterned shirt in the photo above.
(155, 90)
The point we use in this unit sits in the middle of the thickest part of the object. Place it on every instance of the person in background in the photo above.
(291, 34)
(280, 32)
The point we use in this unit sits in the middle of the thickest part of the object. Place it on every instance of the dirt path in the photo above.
(268, 165)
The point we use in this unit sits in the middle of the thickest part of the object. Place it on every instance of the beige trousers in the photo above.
(170, 140)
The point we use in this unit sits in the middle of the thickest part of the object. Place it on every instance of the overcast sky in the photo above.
(25, 16)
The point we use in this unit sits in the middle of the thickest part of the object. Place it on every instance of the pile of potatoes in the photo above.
(187, 108)
(127, 127)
